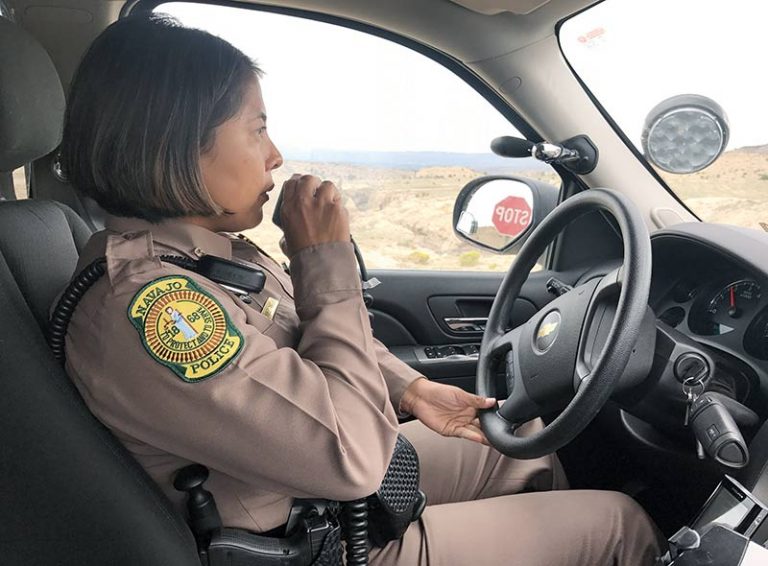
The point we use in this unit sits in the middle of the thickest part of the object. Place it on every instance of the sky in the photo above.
(328, 87)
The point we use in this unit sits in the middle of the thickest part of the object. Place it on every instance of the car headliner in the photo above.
(471, 37)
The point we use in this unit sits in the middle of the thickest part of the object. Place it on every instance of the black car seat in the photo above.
(70, 494)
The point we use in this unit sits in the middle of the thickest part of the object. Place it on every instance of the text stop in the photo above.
(511, 216)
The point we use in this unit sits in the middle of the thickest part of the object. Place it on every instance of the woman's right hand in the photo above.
(312, 213)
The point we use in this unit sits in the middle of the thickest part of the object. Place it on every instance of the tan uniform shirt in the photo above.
(296, 401)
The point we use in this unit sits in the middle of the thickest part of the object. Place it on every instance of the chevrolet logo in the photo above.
(546, 329)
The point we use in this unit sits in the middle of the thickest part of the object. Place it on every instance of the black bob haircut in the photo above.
(143, 106)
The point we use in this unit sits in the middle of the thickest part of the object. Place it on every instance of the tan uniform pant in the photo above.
(473, 518)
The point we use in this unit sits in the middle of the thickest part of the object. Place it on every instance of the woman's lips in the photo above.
(265, 194)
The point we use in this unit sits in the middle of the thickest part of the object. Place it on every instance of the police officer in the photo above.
(282, 394)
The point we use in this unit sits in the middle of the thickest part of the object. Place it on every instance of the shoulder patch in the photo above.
(184, 328)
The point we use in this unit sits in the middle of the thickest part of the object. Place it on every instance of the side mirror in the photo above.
(497, 213)
(685, 133)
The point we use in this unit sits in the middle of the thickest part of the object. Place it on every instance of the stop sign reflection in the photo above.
(511, 216)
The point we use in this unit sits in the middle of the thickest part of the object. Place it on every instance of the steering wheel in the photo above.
(551, 361)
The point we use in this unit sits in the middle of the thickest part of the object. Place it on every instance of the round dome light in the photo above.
(685, 133)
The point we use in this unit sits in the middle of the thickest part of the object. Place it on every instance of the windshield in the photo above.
(684, 81)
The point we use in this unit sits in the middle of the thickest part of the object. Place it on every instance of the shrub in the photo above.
(419, 256)
(469, 259)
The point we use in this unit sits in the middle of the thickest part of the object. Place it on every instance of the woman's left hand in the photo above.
(446, 409)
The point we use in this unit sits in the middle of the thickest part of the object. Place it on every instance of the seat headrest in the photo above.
(41, 241)
(31, 99)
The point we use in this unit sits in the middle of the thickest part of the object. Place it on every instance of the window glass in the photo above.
(398, 133)
(645, 59)
(20, 183)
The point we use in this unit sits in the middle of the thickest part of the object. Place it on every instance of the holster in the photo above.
(313, 533)
(315, 542)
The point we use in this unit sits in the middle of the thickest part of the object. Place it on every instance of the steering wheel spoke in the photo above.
(601, 309)
(500, 346)
(609, 286)
(519, 407)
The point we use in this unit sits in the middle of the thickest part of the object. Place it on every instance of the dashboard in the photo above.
(710, 282)
(725, 303)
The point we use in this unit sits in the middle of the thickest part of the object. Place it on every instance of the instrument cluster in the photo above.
(730, 308)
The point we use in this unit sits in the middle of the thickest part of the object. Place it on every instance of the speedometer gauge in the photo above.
(756, 338)
(722, 312)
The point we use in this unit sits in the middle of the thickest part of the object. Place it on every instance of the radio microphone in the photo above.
(507, 146)
(578, 154)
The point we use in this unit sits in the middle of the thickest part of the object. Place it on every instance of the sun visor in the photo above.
(31, 99)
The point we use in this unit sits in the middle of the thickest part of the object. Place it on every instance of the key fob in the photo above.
(718, 433)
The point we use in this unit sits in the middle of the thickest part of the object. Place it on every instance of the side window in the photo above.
(397, 132)
(20, 183)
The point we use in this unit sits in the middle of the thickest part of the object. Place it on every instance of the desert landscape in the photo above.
(733, 190)
(401, 217)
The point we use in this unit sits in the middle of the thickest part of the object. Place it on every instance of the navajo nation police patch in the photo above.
(184, 328)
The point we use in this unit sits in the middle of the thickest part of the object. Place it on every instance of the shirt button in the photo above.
(198, 252)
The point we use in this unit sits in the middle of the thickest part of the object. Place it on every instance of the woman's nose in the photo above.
(276, 159)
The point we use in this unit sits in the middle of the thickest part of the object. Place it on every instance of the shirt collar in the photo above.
(189, 239)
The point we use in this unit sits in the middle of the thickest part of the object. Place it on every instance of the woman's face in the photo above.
(237, 169)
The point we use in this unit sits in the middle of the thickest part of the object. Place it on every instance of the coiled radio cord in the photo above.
(65, 308)
(355, 522)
